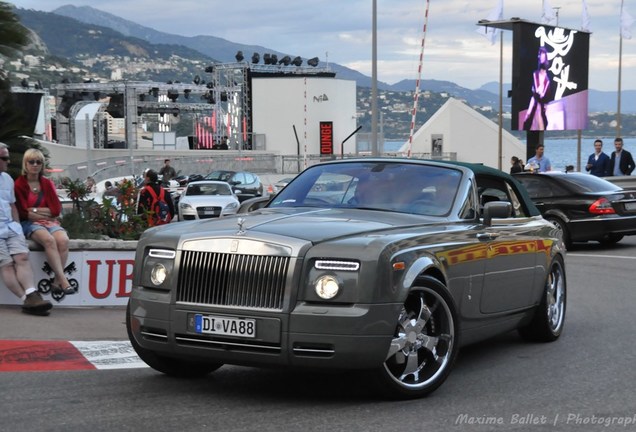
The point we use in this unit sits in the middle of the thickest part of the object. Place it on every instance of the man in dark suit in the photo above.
(622, 162)
(598, 163)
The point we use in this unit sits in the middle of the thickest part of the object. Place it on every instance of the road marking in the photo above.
(110, 354)
(601, 256)
(22, 356)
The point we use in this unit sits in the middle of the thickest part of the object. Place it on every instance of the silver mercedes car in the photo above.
(387, 266)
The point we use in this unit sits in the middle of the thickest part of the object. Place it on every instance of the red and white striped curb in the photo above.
(23, 356)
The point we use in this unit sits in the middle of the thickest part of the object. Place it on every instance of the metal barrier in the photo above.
(112, 167)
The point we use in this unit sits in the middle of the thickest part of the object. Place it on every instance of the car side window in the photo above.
(539, 187)
(239, 178)
(492, 189)
(536, 187)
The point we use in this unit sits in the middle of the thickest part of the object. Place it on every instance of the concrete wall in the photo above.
(102, 270)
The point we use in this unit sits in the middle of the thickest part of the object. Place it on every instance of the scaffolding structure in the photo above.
(223, 103)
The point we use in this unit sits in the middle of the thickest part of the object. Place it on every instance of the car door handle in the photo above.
(487, 236)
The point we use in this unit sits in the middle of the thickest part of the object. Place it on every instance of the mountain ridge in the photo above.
(224, 51)
(69, 48)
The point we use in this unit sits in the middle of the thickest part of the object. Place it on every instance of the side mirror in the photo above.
(496, 209)
(253, 204)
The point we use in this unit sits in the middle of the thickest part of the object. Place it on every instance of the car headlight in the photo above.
(157, 268)
(231, 206)
(185, 206)
(158, 274)
(327, 287)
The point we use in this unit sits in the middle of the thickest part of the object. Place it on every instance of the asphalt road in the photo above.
(585, 381)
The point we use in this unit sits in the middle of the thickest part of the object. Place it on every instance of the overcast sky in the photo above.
(340, 31)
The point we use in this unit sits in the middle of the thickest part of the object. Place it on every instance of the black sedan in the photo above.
(582, 206)
(346, 268)
(244, 184)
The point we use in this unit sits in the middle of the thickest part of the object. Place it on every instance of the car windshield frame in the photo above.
(415, 188)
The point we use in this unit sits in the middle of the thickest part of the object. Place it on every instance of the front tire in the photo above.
(549, 318)
(425, 343)
(168, 365)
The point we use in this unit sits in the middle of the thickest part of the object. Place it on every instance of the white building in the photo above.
(322, 110)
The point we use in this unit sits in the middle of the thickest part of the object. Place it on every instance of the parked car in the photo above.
(582, 206)
(280, 184)
(348, 269)
(184, 179)
(206, 199)
(245, 184)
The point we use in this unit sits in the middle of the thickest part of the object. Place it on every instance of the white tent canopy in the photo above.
(457, 128)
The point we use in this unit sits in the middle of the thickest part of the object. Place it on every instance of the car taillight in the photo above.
(601, 206)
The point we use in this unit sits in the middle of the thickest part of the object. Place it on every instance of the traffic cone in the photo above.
(270, 189)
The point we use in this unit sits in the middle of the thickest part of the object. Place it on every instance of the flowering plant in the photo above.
(114, 217)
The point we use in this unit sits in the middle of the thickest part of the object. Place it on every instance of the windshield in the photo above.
(219, 175)
(386, 186)
(208, 189)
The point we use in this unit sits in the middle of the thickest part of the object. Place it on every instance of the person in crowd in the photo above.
(167, 172)
(517, 165)
(90, 184)
(536, 117)
(110, 191)
(15, 269)
(539, 162)
(621, 162)
(39, 208)
(151, 181)
(598, 163)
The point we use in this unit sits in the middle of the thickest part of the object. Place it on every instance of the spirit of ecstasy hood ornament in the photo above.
(241, 223)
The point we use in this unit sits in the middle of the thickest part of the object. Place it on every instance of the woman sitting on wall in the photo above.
(39, 207)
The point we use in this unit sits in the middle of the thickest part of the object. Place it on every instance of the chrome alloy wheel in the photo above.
(423, 345)
(555, 297)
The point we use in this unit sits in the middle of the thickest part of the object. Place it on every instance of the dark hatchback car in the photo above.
(583, 206)
(244, 184)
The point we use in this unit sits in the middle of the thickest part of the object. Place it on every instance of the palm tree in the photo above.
(13, 37)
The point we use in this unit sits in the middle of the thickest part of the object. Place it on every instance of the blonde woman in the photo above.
(39, 207)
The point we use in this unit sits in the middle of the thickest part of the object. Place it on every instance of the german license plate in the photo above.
(630, 206)
(225, 326)
(210, 211)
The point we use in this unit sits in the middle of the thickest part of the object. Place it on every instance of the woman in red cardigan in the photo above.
(39, 207)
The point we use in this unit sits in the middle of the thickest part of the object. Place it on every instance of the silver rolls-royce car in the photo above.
(383, 265)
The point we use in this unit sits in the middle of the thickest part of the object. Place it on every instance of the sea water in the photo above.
(561, 152)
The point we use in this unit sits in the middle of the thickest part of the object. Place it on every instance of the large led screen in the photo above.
(549, 78)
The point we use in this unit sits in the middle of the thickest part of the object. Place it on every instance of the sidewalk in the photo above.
(64, 323)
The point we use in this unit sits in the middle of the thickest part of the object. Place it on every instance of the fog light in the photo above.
(158, 274)
(327, 287)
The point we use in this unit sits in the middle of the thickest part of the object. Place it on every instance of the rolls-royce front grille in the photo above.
(222, 279)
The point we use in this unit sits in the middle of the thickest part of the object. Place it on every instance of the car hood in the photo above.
(314, 225)
(208, 200)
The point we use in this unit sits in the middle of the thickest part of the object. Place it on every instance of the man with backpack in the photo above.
(155, 201)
